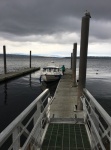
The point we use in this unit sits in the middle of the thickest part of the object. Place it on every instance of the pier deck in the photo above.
(65, 99)
(66, 130)
(11, 75)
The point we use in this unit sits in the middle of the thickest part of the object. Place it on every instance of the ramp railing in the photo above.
(98, 122)
(26, 131)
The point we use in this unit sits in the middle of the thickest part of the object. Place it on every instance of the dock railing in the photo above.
(26, 131)
(98, 122)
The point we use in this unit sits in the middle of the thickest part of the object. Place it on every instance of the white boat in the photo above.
(51, 72)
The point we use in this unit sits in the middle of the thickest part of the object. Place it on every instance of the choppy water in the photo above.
(17, 94)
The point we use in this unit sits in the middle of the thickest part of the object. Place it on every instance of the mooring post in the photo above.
(74, 64)
(71, 60)
(4, 56)
(83, 57)
(30, 59)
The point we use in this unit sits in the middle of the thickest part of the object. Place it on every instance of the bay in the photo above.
(17, 94)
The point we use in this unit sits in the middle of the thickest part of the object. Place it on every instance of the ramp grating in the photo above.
(66, 137)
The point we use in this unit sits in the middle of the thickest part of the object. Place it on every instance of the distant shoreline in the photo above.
(89, 57)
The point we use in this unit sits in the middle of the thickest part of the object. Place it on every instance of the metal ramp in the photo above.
(63, 136)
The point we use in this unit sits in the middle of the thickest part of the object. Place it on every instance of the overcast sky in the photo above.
(50, 27)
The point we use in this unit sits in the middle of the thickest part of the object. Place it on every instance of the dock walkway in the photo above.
(65, 99)
(11, 75)
(66, 130)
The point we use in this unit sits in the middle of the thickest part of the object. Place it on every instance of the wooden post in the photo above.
(30, 59)
(74, 64)
(83, 57)
(4, 56)
(71, 60)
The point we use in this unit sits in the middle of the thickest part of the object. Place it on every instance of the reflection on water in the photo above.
(5, 93)
(30, 80)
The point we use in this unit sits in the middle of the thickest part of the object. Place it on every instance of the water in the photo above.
(15, 63)
(17, 94)
(99, 81)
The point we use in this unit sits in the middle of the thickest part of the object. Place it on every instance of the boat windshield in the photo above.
(56, 69)
(44, 69)
(50, 69)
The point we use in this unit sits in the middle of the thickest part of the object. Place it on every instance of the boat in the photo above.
(51, 72)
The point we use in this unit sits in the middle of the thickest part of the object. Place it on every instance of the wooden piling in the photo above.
(30, 59)
(83, 57)
(71, 60)
(74, 64)
(4, 56)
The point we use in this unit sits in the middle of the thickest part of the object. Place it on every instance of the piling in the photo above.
(83, 57)
(71, 60)
(4, 56)
(30, 59)
(74, 64)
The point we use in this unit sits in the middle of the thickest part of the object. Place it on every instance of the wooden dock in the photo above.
(12, 75)
(65, 99)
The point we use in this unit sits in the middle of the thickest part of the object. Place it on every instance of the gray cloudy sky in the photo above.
(50, 27)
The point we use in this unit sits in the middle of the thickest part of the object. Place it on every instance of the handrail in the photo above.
(99, 107)
(18, 128)
(98, 122)
(7, 130)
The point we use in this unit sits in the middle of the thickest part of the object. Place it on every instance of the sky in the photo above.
(50, 27)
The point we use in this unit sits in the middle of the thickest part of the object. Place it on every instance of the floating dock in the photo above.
(66, 130)
(65, 99)
(12, 75)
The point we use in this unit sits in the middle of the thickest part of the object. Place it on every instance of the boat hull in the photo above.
(50, 78)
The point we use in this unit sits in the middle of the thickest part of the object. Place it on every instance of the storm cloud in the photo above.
(48, 20)
(26, 17)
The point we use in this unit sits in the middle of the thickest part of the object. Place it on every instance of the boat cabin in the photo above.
(51, 69)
